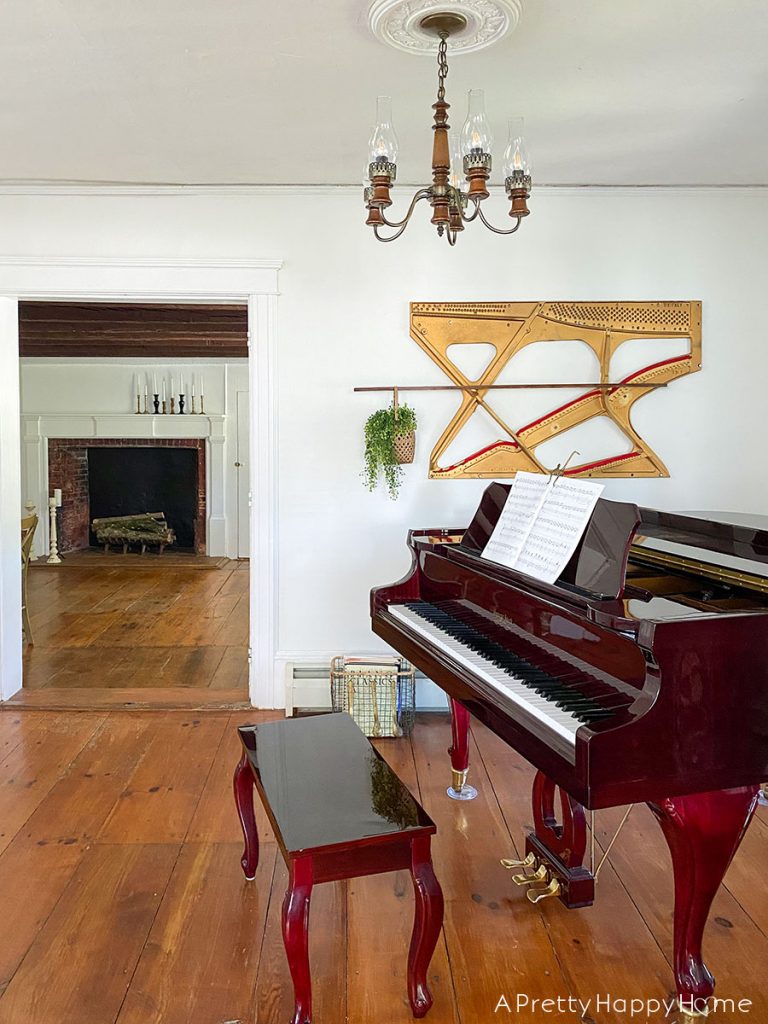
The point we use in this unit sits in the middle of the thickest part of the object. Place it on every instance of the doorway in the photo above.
(147, 281)
(145, 594)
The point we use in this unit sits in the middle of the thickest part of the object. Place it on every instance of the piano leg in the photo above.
(459, 753)
(703, 832)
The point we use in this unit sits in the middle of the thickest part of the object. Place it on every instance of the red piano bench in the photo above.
(338, 811)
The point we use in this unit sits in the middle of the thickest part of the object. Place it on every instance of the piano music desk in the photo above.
(338, 811)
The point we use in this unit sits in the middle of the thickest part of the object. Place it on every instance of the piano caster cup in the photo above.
(459, 790)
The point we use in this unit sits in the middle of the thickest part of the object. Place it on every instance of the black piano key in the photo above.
(586, 698)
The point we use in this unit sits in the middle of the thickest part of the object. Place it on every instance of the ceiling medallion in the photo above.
(461, 164)
(399, 23)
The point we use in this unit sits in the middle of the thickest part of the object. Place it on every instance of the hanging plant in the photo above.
(390, 442)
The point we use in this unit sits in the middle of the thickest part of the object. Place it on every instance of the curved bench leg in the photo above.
(243, 787)
(427, 922)
(459, 753)
(296, 936)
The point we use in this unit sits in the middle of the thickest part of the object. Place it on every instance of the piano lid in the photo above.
(728, 547)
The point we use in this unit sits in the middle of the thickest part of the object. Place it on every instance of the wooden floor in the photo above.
(136, 623)
(123, 899)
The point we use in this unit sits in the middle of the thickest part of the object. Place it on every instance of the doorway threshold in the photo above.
(93, 698)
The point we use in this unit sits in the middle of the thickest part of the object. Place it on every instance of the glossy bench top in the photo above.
(324, 785)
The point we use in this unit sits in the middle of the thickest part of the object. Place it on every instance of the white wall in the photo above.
(54, 385)
(343, 321)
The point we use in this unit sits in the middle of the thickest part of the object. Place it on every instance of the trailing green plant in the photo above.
(381, 428)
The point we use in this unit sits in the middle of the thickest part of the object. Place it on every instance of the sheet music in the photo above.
(541, 524)
(525, 498)
(558, 528)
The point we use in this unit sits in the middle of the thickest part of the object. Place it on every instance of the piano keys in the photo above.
(641, 675)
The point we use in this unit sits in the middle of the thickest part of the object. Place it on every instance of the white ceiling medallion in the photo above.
(398, 23)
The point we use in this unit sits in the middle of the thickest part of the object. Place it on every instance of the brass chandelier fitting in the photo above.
(461, 166)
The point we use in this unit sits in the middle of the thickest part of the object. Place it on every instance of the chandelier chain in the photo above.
(442, 66)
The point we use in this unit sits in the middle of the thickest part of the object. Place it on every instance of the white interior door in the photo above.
(242, 467)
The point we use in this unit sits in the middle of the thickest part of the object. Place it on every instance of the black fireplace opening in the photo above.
(130, 481)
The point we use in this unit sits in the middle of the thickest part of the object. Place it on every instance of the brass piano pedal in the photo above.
(541, 874)
(529, 862)
(537, 895)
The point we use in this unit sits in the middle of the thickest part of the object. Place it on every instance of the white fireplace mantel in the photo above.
(37, 428)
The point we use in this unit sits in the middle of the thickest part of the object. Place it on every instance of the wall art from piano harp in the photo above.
(508, 327)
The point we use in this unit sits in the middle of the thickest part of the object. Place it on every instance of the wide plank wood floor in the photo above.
(141, 624)
(124, 903)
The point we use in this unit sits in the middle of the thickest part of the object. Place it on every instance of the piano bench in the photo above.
(338, 811)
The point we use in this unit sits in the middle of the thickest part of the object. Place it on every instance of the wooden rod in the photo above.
(505, 387)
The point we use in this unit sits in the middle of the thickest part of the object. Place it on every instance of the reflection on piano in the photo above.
(640, 676)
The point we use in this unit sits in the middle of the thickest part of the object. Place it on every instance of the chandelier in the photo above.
(461, 164)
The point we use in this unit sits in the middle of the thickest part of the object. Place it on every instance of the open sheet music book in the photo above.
(541, 524)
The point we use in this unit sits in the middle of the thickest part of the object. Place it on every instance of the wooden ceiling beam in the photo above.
(62, 329)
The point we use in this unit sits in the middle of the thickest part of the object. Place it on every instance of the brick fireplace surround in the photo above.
(68, 469)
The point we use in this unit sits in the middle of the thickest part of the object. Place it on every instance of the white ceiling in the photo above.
(244, 91)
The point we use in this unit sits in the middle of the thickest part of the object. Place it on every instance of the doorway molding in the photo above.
(95, 279)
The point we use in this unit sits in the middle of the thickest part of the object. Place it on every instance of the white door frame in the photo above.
(149, 280)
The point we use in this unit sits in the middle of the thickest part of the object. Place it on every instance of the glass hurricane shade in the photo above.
(516, 156)
(457, 164)
(476, 135)
(383, 143)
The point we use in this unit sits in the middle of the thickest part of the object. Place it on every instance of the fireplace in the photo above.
(102, 477)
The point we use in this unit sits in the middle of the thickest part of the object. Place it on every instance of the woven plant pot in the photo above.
(405, 447)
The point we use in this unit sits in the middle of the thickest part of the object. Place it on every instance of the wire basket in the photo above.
(378, 692)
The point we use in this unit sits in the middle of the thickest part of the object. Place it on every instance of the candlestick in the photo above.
(156, 402)
(164, 409)
(181, 405)
(173, 401)
(202, 407)
(53, 557)
(138, 405)
(193, 410)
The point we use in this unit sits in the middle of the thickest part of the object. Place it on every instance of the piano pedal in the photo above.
(537, 895)
(541, 874)
(529, 862)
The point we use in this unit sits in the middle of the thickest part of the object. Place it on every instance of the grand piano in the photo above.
(641, 675)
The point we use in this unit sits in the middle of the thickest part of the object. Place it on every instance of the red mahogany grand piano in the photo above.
(640, 676)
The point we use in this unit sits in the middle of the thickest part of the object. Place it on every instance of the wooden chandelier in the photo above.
(460, 168)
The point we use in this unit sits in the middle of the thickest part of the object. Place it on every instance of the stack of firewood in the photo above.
(146, 530)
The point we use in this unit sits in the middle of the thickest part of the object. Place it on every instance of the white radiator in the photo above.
(307, 687)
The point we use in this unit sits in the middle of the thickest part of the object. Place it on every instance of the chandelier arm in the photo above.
(498, 231)
(423, 193)
(472, 216)
(391, 238)
(451, 236)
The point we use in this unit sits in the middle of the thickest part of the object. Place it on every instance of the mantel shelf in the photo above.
(121, 425)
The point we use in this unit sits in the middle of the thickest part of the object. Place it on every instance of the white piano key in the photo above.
(523, 697)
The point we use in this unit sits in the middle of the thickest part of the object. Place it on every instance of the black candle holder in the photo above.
(181, 405)
(156, 403)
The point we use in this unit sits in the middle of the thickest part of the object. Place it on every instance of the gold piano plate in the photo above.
(509, 327)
